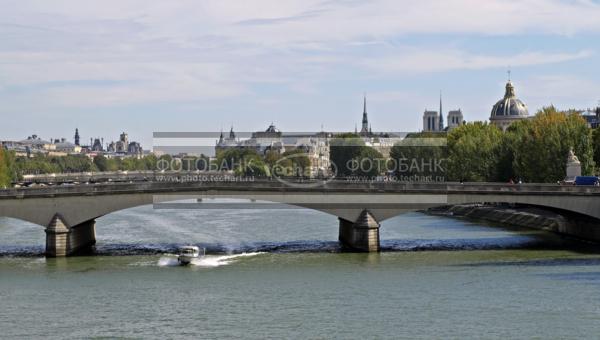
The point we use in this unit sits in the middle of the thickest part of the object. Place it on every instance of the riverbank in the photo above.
(580, 227)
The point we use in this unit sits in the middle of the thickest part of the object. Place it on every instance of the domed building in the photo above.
(508, 109)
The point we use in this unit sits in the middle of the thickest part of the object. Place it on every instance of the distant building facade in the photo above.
(431, 121)
(36, 145)
(96, 145)
(455, 119)
(592, 117)
(124, 148)
(62, 147)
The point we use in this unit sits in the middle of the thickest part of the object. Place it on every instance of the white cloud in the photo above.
(397, 97)
(562, 90)
(276, 22)
(418, 61)
(78, 53)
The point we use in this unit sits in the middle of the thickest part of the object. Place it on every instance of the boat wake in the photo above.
(207, 261)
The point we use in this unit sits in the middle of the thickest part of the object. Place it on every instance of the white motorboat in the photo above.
(187, 254)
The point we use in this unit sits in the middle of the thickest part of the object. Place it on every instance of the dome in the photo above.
(272, 129)
(34, 141)
(65, 145)
(509, 106)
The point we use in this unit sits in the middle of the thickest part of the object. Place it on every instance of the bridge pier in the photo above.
(62, 240)
(361, 235)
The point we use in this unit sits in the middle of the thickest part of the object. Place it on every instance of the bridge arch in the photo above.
(357, 205)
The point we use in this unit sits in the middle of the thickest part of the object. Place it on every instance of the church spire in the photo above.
(441, 114)
(365, 120)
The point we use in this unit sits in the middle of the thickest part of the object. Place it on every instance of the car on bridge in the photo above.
(587, 180)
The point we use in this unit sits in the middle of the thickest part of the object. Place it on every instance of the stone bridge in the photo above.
(69, 212)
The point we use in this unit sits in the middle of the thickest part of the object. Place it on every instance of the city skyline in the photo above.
(143, 68)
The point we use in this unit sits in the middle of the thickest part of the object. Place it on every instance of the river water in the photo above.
(280, 274)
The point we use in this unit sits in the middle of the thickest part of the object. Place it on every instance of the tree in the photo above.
(131, 164)
(368, 163)
(253, 167)
(245, 162)
(419, 155)
(596, 146)
(38, 164)
(5, 173)
(541, 145)
(150, 162)
(296, 163)
(101, 163)
(272, 157)
(342, 150)
(474, 152)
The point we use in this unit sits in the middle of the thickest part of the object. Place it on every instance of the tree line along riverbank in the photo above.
(531, 150)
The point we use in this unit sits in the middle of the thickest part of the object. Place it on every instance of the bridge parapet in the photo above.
(269, 185)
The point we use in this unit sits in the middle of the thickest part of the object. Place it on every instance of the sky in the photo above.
(142, 66)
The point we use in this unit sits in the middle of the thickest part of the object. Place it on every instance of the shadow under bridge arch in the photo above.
(346, 206)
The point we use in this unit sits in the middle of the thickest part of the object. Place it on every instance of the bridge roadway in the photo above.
(69, 212)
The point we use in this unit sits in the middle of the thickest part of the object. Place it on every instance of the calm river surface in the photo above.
(279, 274)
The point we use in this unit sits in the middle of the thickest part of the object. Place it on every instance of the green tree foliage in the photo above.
(42, 164)
(368, 163)
(5, 171)
(190, 163)
(38, 164)
(534, 150)
(244, 162)
(475, 152)
(540, 145)
(596, 146)
(342, 150)
(101, 163)
(73, 163)
(271, 158)
(150, 162)
(294, 163)
(419, 154)
(254, 167)
(351, 157)
(235, 158)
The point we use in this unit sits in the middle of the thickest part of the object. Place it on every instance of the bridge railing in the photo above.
(274, 185)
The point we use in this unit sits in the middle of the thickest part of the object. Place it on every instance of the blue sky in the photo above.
(108, 66)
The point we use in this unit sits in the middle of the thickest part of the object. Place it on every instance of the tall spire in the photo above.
(77, 136)
(365, 121)
(441, 127)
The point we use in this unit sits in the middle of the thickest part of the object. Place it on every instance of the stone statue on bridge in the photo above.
(573, 166)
